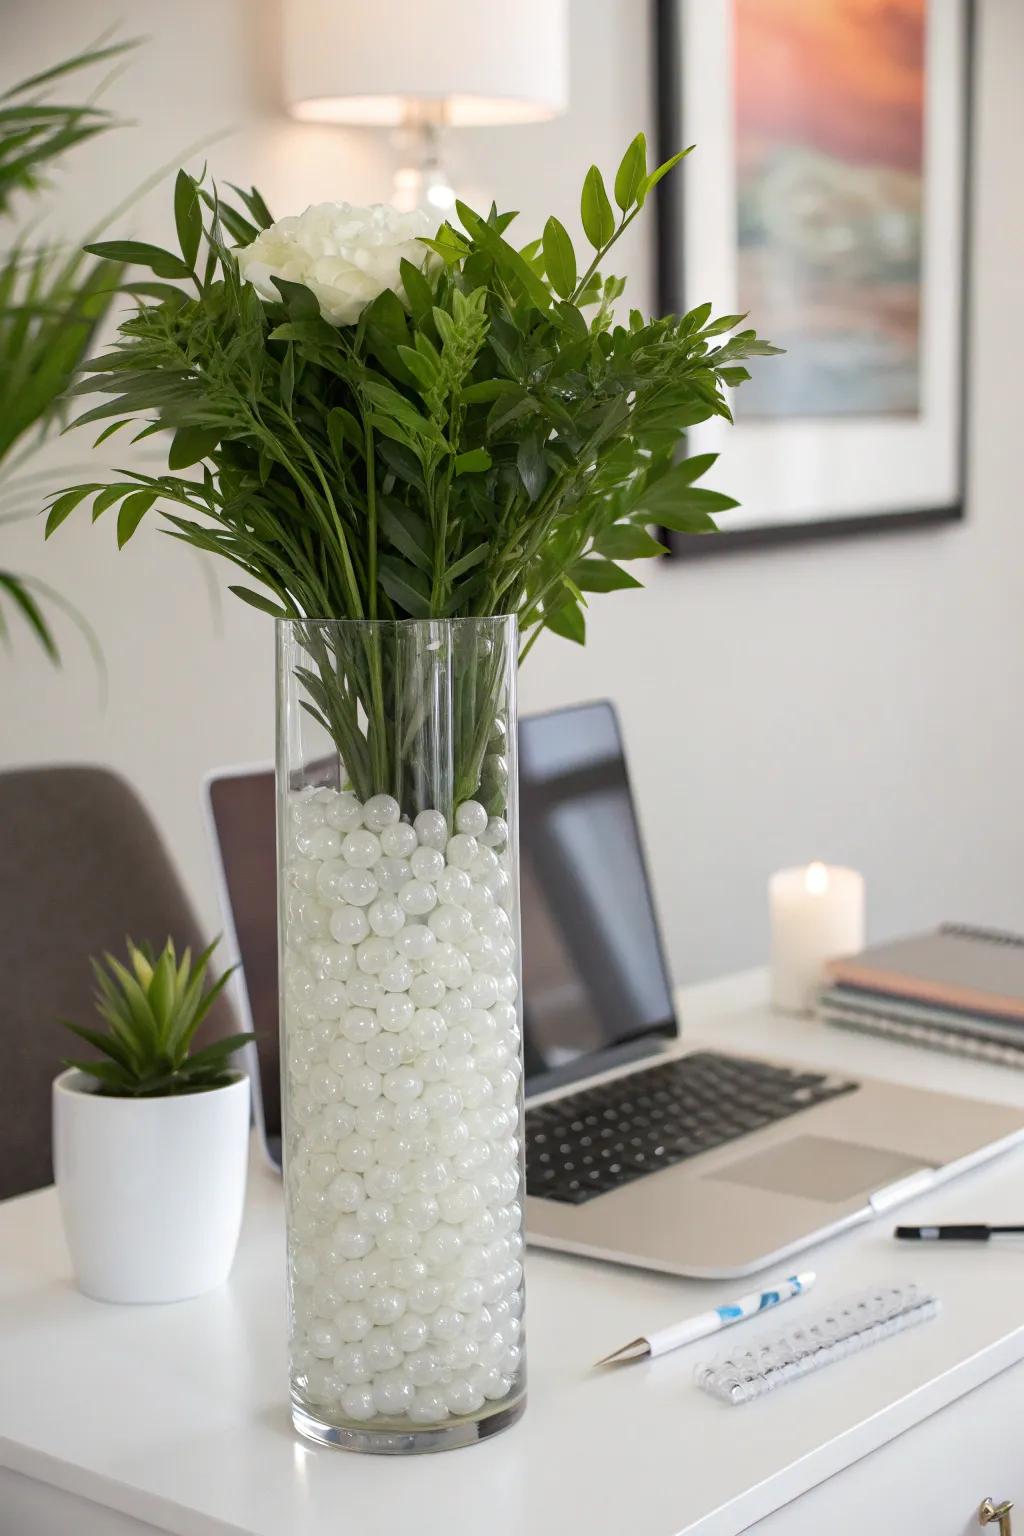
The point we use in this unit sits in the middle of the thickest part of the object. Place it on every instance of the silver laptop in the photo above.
(641, 1148)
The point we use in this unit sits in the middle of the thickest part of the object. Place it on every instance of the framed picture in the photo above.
(828, 197)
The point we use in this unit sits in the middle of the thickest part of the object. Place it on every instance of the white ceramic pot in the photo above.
(151, 1190)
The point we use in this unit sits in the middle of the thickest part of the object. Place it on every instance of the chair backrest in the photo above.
(81, 866)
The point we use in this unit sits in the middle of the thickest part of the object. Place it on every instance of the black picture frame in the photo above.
(670, 283)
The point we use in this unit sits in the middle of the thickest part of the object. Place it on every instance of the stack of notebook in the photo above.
(958, 989)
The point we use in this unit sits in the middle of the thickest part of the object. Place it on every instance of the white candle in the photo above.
(817, 914)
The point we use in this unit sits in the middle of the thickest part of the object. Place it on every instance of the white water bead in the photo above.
(302, 874)
(364, 991)
(396, 976)
(362, 1086)
(385, 916)
(410, 1119)
(508, 986)
(381, 811)
(471, 817)
(447, 1137)
(330, 999)
(430, 1174)
(395, 1149)
(428, 1028)
(385, 1305)
(357, 1403)
(359, 1025)
(398, 840)
(459, 1202)
(351, 1280)
(318, 843)
(425, 1297)
(421, 1211)
(418, 897)
(427, 863)
(402, 1084)
(454, 1008)
(373, 954)
(383, 1183)
(311, 918)
(320, 1169)
(343, 1055)
(453, 887)
(426, 990)
(485, 862)
(336, 1122)
(345, 1192)
(405, 1273)
(357, 886)
(348, 925)
(495, 835)
(395, 1011)
(431, 829)
(429, 1406)
(432, 1066)
(306, 810)
(399, 1241)
(324, 1340)
(443, 1100)
(393, 1394)
(344, 812)
(355, 1152)
(450, 924)
(392, 874)
(325, 1085)
(361, 849)
(481, 989)
(446, 1322)
(478, 899)
(460, 1355)
(351, 1364)
(333, 961)
(410, 1333)
(384, 1053)
(415, 941)
(459, 1041)
(462, 851)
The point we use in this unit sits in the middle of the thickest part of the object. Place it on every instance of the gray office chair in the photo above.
(81, 867)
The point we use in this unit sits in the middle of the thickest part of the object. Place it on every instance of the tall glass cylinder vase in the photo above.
(401, 1029)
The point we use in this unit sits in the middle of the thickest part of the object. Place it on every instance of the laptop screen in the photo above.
(595, 985)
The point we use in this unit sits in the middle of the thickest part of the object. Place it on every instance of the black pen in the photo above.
(976, 1233)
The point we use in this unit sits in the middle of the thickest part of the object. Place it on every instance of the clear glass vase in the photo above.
(401, 1029)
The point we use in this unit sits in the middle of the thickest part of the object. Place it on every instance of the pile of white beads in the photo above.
(403, 1160)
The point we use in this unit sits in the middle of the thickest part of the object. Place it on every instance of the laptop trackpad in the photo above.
(820, 1168)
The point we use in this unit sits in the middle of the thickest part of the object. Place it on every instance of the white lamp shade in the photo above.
(467, 62)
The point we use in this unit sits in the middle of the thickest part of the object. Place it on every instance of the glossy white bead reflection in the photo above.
(402, 1088)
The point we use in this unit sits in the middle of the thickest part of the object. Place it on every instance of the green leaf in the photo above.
(631, 172)
(488, 390)
(407, 531)
(473, 461)
(23, 599)
(568, 621)
(133, 510)
(467, 562)
(595, 574)
(625, 541)
(188, 217)
(65, 505)
(138, 254)
(651, 181)
(559, 258)
(263, 603)
(596, 210)
(423, 369)
(405, 586)
(532, 465)
(299, 301)
(190, 444)
(417, 290)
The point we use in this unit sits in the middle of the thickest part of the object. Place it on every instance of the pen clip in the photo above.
(636, 1349)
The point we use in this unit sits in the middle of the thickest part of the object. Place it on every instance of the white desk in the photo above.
(177, 1416)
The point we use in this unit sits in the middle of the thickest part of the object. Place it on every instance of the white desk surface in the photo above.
(178, 1415)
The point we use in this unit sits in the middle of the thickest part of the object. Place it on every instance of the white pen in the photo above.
(710, 1322)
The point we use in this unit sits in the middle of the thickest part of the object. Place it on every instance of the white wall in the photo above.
(859, 701)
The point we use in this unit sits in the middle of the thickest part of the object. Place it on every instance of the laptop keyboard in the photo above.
(595, 1140)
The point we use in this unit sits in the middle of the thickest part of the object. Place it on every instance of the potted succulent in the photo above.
(150, 1141)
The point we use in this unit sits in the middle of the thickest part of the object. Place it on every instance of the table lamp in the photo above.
(420, 68)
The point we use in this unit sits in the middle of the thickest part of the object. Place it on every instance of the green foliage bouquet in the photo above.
(396, 421)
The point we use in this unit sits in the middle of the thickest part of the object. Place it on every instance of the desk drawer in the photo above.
(930, 1480)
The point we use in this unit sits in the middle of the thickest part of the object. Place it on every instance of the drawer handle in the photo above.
(990, 1512)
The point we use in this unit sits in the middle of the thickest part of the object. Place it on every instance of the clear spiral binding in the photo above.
(843, 1329)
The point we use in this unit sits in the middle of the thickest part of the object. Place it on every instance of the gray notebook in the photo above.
(974, 970)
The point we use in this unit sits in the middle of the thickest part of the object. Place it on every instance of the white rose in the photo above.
(345, 255)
